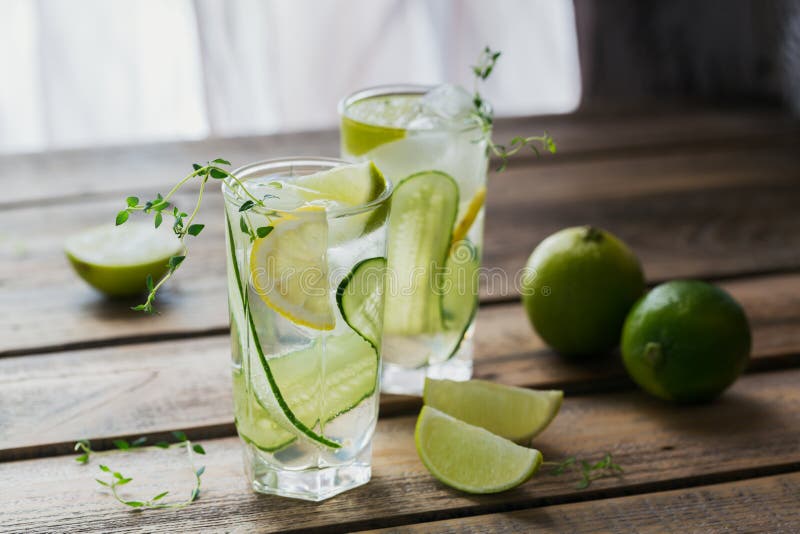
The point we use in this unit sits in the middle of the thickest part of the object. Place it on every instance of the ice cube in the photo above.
(447, 101)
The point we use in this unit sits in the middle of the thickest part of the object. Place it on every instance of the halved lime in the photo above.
(514, 413)
(117, 259)
(424, 208)
(288, 268)
(360, 299)
(470, 458)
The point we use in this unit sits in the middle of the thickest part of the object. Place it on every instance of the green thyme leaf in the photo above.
(132, 201)
(221, 161)
(198, 449)
(175, 261)
(122, 216)
(218, 174)
(246, 205)
(264, 231)
(195, 229)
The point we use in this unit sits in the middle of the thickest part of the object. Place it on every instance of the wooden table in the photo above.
(697, 193)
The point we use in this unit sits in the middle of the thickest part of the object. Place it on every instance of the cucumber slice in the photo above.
(281, 411)
(423, 213)
(460, 298)
(360, 299)
(317, 384)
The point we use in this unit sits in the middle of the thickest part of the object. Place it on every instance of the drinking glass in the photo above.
(305, 291)
(430, 143)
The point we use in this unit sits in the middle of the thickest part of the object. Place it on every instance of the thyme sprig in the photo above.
(183, 224)
(483, 113)
(603, 468)
(115, 479)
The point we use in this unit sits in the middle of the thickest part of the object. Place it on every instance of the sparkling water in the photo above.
(441, 133)
(314, 369)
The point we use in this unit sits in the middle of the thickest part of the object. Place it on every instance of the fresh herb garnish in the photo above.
(603, 468)
(483, 113)
(116, 479)
(183, 224)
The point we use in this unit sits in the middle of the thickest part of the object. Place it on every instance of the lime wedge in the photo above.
(514, 413)
(117, 259)
(351, 185)
(360, 299)
(470, 458)
(288, 268)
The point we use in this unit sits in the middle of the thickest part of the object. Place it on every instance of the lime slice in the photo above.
(514, 413)
(420, 226)
(288, 269)
(352, 185)
(474, 207)
(360, 299)
(372, 122)
(117, 259)
(469, 458)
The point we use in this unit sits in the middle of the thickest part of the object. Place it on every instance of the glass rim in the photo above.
(277, 164)
(416, 89)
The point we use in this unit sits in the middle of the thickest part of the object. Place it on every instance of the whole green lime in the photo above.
(686, 341)
(579, 286)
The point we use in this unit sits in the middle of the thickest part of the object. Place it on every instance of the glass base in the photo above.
(314, 484)
(410, 381)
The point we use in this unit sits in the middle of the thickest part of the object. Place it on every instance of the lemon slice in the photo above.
(474, 207)
(288, 268)
(117, 259)
(514, 413)
(470, 458)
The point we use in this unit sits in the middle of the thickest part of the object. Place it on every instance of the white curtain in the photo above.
(92, 72)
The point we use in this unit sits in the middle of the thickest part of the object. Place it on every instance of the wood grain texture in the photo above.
(765, 504)
(48, 401)
(709, 214)
(751, 431)
(77, 174)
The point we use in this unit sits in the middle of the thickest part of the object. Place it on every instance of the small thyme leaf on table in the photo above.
(117, 479)
(184, 224)
(483, 113)
(603, 468)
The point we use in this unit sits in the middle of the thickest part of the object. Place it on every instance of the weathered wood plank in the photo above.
(711, 214)
(47, 401)
(751, 431)
(86, 172)
(765, 504)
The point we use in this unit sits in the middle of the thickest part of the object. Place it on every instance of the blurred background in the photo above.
(99, 72)
(90, 72)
